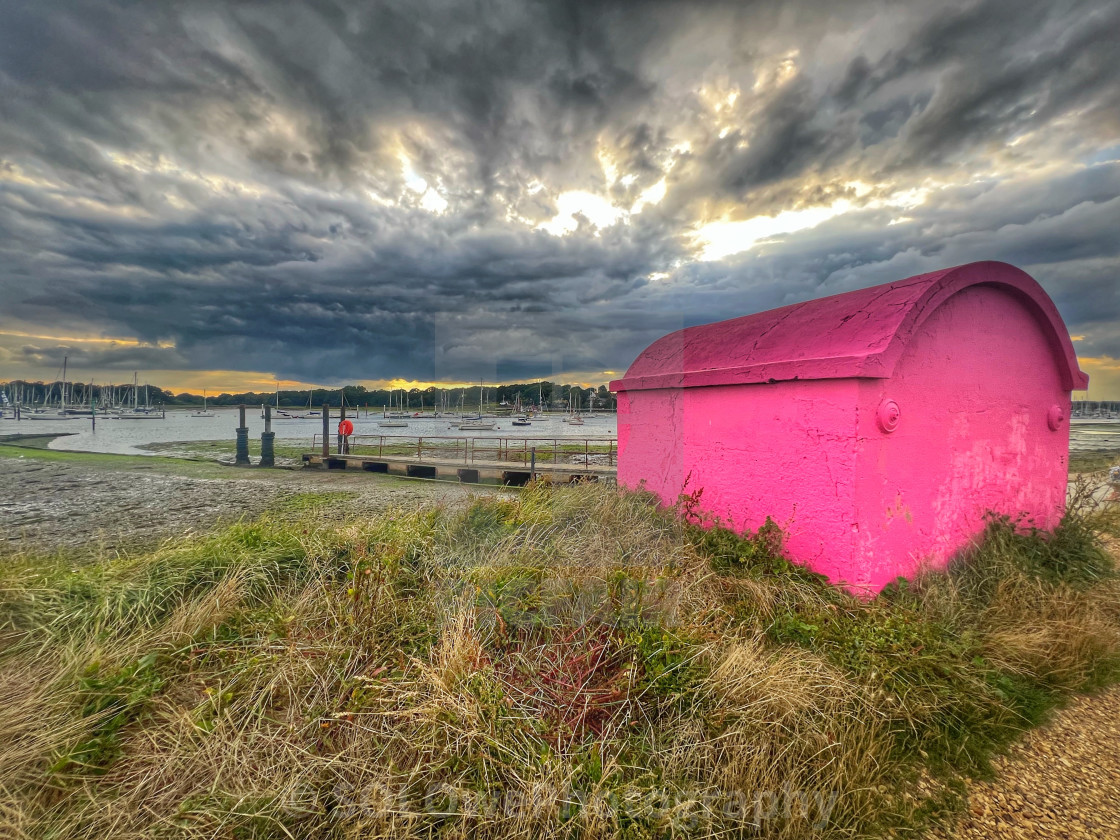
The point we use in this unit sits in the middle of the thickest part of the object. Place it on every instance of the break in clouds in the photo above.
(444, 190)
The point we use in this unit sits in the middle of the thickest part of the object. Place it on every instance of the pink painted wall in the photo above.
(778, 414)
(725, 437)
(975, 387)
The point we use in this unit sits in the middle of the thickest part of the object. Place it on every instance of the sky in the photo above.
(222, 195)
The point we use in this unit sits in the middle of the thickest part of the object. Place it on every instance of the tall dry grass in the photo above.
(556, 663)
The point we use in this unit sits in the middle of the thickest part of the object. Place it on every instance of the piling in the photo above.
(268, 440)
(326, 430)
(533, 465)
(242, 458)
(341, 417)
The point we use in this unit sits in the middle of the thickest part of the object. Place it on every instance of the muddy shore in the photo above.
(51, 500)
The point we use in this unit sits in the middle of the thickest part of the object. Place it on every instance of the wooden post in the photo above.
(533, 465)
(341, 417)
(242, 456)
(268, 440)
(326, 430)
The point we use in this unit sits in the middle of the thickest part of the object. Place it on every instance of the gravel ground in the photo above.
(47, 505)
(51, 504)
(1060, 781)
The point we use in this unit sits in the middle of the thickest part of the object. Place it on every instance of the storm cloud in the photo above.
(333, 192)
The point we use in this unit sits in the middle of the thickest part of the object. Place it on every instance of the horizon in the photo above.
(369, 385)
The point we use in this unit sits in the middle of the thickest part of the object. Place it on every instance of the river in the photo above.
(128, 437)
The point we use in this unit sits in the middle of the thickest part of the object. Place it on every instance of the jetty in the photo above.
(504, 460)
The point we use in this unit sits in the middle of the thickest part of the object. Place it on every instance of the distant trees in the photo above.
(530, 393)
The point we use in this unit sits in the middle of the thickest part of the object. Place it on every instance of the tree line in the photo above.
(553, 395)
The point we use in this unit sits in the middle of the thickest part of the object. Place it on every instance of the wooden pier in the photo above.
(504, 460)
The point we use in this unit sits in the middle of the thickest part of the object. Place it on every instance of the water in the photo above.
(125, 437)
(1085, 436)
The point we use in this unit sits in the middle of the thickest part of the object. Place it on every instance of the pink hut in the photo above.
(877, 427)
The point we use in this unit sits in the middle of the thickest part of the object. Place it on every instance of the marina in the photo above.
(82, 434)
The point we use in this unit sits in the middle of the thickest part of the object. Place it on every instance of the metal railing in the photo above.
(588, 451)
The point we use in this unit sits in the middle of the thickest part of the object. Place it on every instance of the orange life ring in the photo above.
(346, 428)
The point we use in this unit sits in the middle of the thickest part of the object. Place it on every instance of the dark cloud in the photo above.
(336, 191)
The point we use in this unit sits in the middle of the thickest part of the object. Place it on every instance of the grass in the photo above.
(1093, 461)
(35, 449)
(569, 662)
(29, 441)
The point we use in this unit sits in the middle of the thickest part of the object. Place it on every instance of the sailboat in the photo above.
(138, 413)
(61, 413)
(573, 418)
(392, 413)
(277, 412)
(205, 412)
(76, 408)
(394, 419)
(521, 418)
(472, 424)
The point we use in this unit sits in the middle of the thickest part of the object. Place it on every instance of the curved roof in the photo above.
(860, 334)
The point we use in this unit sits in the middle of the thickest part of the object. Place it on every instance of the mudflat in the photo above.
(52, 500)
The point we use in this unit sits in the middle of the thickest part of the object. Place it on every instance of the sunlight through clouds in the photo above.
(651, 195)
(717, 240)
(595, 209)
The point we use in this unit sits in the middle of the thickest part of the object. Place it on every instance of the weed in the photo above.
(112, 700)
